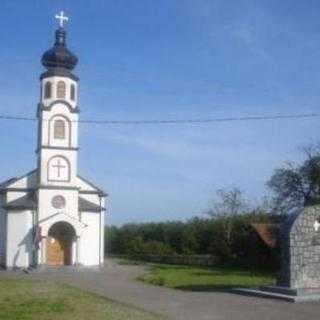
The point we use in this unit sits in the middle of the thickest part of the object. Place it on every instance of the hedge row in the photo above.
(227, 238)
(189, 260)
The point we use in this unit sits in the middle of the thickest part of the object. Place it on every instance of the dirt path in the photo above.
(118, 282)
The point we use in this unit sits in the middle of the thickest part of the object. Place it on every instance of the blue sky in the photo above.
(169, 59)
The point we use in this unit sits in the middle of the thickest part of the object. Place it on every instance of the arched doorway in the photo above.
(59, 244)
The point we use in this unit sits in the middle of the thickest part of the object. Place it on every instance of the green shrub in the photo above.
(229, 238)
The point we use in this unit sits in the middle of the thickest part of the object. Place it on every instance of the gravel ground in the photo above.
(118, 282)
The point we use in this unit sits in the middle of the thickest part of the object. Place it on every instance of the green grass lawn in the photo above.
(205, 279)
(44, 300)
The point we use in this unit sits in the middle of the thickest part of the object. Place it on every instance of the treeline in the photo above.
(229, 238)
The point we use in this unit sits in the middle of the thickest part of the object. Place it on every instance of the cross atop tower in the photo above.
(62, 18)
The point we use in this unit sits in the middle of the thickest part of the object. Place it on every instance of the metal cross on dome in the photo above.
(62, 18)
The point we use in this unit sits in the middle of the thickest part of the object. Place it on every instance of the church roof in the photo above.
(85, 205)
(268, 232)
(59, 59)
(98, 189)
(26, 202)
(8, 183)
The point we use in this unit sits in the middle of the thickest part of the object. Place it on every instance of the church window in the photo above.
(47, 90)
(61, 90)
(72, 92)
(58, 202)
(59, 129)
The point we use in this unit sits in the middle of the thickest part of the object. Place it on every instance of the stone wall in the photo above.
(300, 244)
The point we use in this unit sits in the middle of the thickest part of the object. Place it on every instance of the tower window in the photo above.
(61, 90)
(72, 92)
(59, 129)
(47, 90)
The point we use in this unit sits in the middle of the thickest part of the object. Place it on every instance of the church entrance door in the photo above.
(59, 244)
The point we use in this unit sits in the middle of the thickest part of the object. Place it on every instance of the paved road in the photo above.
(117, 282)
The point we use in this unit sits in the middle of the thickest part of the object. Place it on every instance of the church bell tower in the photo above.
(58, 128)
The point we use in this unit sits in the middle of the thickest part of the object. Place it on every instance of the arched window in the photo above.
(59, 129)
(47, 90)
(61, 90)
(73, 92)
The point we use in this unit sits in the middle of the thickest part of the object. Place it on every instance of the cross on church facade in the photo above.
(62, 18)
(59, 166)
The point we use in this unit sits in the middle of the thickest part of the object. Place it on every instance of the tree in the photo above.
(297, 185)
(229, 203)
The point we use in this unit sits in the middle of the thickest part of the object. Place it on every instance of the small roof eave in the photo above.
(25, 202)
(98, 190)
(7, 184)
(85, 205)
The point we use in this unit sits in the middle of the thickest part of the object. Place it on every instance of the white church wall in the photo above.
(102, 229)
(60, 142)
(46, 210)
(71, 157)
(19, 239)
(90, 242)
(2, 232)
(59, 109)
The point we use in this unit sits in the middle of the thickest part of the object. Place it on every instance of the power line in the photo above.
(6, 117)
(176, 121)
(209, 120)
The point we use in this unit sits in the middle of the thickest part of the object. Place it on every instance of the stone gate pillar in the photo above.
(300, 244)
(299, 278)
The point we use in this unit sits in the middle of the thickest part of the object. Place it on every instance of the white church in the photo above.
(52, 216)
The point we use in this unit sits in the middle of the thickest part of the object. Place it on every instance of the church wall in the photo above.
(102, 229)
(97, 220)
(62, 110)
(47, 210)
(70, 155)
(90, 240)
(67, 141)
(19, 239)
(2, 232)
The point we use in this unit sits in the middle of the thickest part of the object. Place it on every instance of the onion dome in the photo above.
(59, 57)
